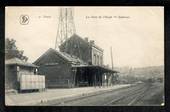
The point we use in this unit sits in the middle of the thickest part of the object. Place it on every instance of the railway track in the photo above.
(129, 98)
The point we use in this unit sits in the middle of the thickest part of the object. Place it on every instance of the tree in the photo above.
(12, 51)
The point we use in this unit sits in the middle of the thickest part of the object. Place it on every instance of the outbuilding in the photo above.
(14, 68)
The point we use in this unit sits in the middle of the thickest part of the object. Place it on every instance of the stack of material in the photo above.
(32, 82)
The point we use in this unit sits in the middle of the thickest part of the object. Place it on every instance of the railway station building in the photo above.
(77, 63)
(84, 49)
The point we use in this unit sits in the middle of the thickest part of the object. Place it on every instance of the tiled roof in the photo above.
(17, 61)
(69, 57)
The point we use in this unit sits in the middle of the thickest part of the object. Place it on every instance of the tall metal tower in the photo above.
(66, 26)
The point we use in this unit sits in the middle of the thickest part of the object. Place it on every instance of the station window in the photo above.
(94, 59)
(97, 59)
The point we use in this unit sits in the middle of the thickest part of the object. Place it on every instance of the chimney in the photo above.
(86, 39)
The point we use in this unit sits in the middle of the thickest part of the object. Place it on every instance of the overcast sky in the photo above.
(137, 39)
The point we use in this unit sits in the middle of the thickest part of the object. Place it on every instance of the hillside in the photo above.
(141, 73)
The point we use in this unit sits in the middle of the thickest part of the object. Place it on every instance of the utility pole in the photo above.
(111, 57)
(112, 63)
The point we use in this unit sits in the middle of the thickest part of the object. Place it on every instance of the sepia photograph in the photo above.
(84, 56)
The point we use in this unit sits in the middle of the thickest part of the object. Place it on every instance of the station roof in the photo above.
(67, 57)
(17, 61)
(96, 67)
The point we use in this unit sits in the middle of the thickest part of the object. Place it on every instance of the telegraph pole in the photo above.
(112, 63)
(111, 57)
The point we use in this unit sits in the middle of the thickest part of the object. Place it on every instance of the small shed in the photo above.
(14, 68)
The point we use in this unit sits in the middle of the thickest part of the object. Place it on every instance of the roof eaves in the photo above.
(22, 64)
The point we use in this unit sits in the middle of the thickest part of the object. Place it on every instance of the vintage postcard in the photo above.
(84, 56)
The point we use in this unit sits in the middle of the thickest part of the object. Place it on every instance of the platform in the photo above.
(26, 99)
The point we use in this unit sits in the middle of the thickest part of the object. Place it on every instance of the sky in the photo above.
(136, 34)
